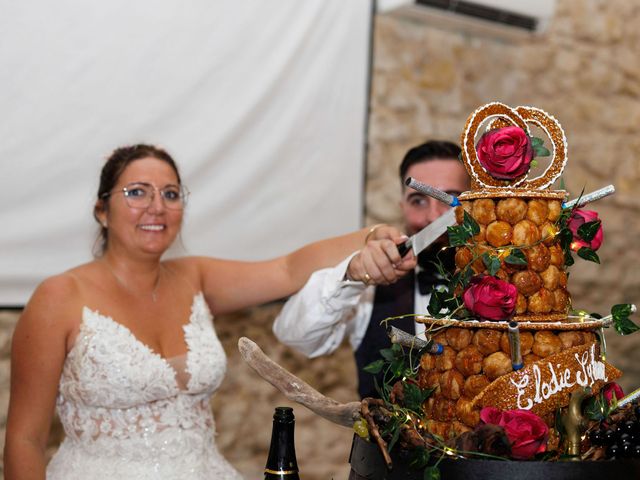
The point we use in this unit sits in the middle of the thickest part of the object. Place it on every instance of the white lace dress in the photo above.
(129, 413)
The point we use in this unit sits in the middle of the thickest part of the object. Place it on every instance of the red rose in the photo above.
(505, 153)
(579, 217)
(611, 389)
(525, 430)
(490, 298)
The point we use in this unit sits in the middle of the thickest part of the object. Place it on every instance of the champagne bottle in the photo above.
(281, 462)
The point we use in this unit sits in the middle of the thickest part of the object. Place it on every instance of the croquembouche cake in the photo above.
(511, 368)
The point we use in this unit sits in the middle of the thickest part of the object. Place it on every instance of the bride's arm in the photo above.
(37, 356)
(231, 285)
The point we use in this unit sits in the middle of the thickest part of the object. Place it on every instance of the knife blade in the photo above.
(428, 234)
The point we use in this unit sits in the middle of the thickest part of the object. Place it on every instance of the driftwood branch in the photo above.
(295, 389)
(373, 428)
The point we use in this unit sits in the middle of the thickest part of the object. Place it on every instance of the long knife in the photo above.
(435, 229)
(428, 234)
(590, 197)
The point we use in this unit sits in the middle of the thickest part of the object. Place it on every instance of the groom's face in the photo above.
(446, 174)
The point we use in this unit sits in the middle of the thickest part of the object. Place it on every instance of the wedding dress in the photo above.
(129, 413)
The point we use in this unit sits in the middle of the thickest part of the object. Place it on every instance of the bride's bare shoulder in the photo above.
(62, 294)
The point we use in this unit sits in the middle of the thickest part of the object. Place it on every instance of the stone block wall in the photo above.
(426, 80)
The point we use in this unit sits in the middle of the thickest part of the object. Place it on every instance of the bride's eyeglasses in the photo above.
(141, 194)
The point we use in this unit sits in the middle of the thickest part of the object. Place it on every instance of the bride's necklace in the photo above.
(154, 291)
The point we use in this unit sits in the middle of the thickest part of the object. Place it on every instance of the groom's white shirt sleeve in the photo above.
(329, 308)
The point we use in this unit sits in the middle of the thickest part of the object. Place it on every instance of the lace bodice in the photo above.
(129, 413)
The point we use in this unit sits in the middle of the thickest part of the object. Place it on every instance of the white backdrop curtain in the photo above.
(262, 104)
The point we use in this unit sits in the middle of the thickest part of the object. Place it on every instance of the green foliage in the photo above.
(516, 257)
(539, 149)
(566, 237)
(588, 230)
(374, 367)
(400, 365)
(432, 473)
(568, 258)
(442, 301)
(459, 234)
(597, 407)
(492, 263)
(396, 364)
(414, 396)
(588, 254)
(419, 459)
(621, 322)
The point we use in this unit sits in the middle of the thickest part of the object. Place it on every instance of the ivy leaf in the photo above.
(432, 473)
(397, 368)
(435, 304)
(516, 257)
(588, 254)
(588, 230)
(621, 321)
(467, 273)
(419, 458)
(536, 141)
(458, 236)
(568, 258)
(622, 310)
(374, 367)
(541, 151)
(470, 224)
(387, 354)
(566, 237)
(596, 407)
(453, 304)
(491, 262)
(413, 396)
(624, 326)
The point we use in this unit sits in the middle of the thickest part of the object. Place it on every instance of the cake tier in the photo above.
(524, 222)
(475, 369)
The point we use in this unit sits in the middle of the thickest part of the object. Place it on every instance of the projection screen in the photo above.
(263, 105)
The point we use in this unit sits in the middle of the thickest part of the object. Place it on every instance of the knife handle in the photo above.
(433, 192)
(404, 248)
(590, 197)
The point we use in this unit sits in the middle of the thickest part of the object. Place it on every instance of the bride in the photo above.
(124, 347)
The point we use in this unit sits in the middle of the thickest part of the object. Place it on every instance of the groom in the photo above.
(330, 308)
